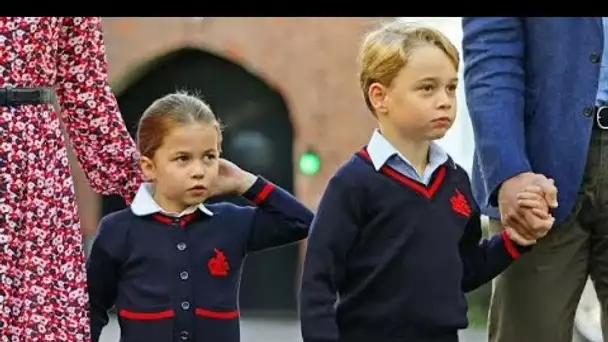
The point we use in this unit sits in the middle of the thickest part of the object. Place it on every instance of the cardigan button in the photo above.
(185, 306)
(184, 335)
(183, 275)
(181, 246)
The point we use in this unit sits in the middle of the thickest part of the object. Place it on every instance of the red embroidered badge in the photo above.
(218, 264)
(460, 204)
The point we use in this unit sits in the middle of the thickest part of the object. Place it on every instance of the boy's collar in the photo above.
(381, 150)
(143, 204)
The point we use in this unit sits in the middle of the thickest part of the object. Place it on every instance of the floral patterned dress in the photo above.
(43, 294)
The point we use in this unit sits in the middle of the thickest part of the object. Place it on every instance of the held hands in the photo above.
(231, 180)
(524, 202)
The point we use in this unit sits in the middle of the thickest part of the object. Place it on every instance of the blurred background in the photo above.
(287, 91)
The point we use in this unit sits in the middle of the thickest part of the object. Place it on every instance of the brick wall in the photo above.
(312, 61)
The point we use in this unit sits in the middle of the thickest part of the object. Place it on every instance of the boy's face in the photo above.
(421, 101)
(184, 166)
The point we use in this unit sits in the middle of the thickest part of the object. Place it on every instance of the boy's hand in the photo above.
(533, 198)
(518, 239)
(548, 191)
(524, 221)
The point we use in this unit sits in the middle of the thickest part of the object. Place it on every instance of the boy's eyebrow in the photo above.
(435, 79)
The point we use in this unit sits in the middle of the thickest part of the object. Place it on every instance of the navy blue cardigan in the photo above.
(177, 279)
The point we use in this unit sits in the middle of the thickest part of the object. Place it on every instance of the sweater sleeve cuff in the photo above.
(513, 249)
(259, 191)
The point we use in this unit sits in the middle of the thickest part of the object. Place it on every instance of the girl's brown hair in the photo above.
(386, 50)
(180, 108)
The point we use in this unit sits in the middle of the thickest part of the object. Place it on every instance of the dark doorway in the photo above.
(258, 137)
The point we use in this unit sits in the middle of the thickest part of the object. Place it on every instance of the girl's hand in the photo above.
(231, 180)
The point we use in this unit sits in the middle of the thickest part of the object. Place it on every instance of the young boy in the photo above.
(397, 233)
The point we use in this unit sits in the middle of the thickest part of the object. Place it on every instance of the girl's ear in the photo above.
(148, 168)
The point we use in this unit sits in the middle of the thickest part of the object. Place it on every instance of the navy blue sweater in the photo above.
(399, 254)
(177, 279)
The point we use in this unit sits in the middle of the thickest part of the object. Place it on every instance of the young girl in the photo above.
(397, 233)
(170, 264)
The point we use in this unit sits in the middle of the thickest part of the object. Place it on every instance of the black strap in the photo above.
(12, 97)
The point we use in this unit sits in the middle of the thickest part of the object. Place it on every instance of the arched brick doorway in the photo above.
(258, 137)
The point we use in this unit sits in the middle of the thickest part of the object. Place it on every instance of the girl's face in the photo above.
(420, 103)
(184, 166)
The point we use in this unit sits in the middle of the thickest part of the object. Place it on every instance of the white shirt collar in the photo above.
(380, 150)
(144, 204)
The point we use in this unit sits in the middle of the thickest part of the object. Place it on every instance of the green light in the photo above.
(310, 163)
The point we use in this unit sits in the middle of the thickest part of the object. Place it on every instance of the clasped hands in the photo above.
(525, 202)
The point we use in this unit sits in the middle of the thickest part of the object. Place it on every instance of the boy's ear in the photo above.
(377, 94)
(148, 168)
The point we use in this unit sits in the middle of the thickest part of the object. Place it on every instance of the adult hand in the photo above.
(527, 223)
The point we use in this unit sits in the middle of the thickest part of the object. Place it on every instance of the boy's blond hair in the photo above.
(386, 50)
